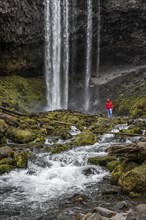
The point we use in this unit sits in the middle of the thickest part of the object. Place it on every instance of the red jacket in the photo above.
(109, 105)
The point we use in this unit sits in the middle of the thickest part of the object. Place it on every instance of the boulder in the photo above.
(134, 181)
(85, 138)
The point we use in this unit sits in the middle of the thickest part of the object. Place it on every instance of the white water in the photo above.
(50, 179)
(66, 53)
(56, 35)
(88, 54)
(98, 38)
(52, 176)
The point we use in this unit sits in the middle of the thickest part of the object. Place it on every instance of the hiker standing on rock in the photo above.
(109, 108)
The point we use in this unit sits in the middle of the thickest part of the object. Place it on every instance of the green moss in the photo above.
(112, 165)
(62, 132)
(3, 127)
(22, 93)
(120, 169)
(139, 108)
(20, 136)
(133, 130)
(5, 168)
(131, 105)
(134, 180)
(21, 159)
(102, 161)
(85, 138)
(56, 149)
(8, 160)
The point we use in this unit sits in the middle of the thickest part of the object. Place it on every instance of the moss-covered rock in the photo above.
(3, 127)
(101, 161)
(56, 149)
(61, 131)
(85, 138)
(120, 169)
(8, 160)
(134, 181)
(132, 130)
(5, 152)
(134, 105)
(20, 136)
(22, 93)
(5, 168)
(112, 165)
(21, 159)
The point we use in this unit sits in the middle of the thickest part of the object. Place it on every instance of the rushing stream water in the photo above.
(51, 178)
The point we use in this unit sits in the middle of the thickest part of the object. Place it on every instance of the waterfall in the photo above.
(88, 54)
(66, 53)
(56, 87)
(98, 38)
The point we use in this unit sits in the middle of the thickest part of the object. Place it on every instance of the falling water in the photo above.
(88, 54)
(66, 53)
(98, 38)
(57, 89)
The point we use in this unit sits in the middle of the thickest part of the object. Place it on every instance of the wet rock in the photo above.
(89, 171)
(141, 210)
(104, 212)
(120, 206)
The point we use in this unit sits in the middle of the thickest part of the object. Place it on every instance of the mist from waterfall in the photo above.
(56, 35)
(98, 38)
(88, 54)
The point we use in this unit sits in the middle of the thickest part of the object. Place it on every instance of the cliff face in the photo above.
(122, 33)
(122, 38)
(21, 37)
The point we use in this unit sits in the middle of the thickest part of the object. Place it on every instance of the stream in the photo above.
(51, 179)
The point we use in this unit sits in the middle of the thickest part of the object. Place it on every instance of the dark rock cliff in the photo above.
(122, 33)
(21, 37)
(123, 36)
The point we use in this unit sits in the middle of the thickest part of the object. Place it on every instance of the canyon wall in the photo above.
(21, 37)
(123, 36)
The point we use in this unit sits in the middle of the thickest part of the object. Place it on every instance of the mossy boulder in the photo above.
(85, 138)
(5, 168)
(56, 149)
(20, 136)
(21, 159)
(3, 127)
(112, 165)
(101, 161)
(120, 169)
(134, 181)
(132, 130)
(28, 122)
(5, 152)
(61, 131)
(8, 160)
(100, 125)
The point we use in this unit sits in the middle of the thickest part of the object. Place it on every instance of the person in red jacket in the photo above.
(109, 108)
